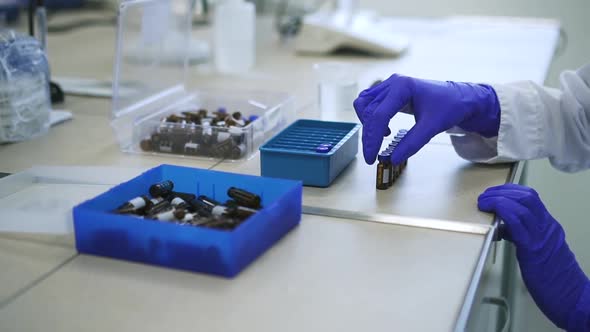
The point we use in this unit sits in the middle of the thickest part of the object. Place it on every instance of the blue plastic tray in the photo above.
(292, 154)
(200, 249)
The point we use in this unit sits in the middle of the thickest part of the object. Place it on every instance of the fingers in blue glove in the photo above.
(387, 132)
(360, 104)
(372, 135)
(526, 196)
(524, 199)
(512, 186)
(414, 140)
(376, 89)
(513, 214)
(380, 111)
(366, 103)
(365, 98)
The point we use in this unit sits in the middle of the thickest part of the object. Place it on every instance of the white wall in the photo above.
(567, 196)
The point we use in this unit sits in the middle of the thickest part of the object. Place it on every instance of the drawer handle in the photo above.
(503, 304)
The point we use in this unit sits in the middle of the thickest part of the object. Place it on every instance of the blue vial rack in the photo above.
(194, 248)
(314, 152)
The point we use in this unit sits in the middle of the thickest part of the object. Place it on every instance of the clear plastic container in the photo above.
(148, 31)
(24, 89)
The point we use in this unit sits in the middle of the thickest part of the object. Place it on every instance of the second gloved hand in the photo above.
(437, 106)
(548, 267)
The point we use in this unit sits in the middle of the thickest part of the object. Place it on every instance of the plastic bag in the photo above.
(24, 88)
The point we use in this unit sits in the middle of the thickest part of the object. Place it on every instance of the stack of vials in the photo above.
(387, 172)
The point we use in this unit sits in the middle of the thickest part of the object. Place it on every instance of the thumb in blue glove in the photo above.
(548, 267)
(436, 106)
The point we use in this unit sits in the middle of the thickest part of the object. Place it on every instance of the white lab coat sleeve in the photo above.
(537, 122)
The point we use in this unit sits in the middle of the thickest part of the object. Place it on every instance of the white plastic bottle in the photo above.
(234, 36)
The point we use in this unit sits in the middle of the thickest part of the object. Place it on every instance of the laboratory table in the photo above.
(413, 258)
(326, 275)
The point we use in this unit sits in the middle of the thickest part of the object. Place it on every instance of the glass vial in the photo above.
(383, 170)
(161, 189)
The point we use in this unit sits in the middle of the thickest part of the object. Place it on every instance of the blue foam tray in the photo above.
(200, 249)
(291, 154)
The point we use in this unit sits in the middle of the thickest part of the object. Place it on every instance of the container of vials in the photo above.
(155, 112)
(387, 172)
(188, 218)
(314, 152)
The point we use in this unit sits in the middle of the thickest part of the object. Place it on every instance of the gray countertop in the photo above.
(26, 261)
(327, 274)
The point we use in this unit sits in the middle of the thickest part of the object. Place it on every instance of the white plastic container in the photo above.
(148, 29)
(234, 36)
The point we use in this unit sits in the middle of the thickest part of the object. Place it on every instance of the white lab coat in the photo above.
(538, 122)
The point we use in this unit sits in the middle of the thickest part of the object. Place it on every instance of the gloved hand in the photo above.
(548, 267)
(436, 106)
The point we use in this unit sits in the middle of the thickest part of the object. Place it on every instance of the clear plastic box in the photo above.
(151, 68)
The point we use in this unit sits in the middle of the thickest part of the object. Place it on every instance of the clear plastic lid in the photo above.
(151, 55)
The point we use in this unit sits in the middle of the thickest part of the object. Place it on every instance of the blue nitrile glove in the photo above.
(437, 106)
(548, 267)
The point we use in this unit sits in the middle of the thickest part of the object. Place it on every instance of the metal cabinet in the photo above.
(491, 310)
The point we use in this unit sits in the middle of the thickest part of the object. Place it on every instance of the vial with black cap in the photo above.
(161, 189)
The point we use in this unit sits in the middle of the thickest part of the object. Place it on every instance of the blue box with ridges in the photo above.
(293, 153)
(194, 248)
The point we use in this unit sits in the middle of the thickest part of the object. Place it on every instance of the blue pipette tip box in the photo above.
(194, 248)
(298, 152)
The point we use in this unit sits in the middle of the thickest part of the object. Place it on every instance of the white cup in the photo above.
(337, 88)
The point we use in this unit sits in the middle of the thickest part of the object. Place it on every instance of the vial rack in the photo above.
(312, 151)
